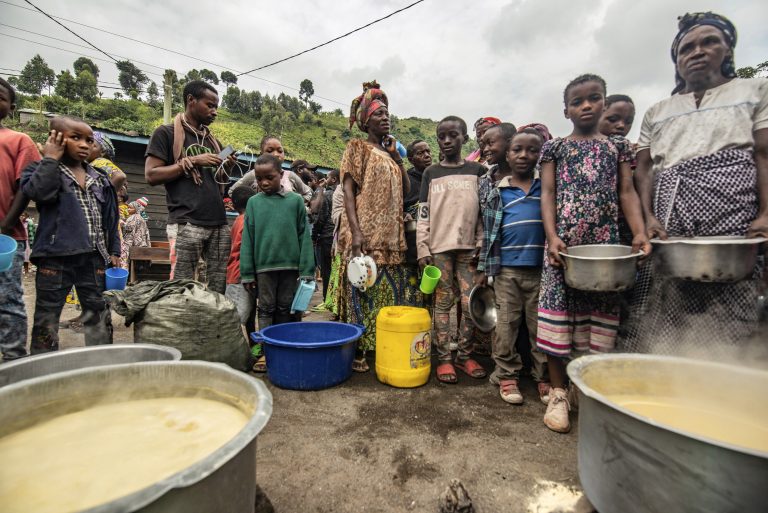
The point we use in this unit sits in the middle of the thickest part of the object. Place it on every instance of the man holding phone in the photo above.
(186, 158)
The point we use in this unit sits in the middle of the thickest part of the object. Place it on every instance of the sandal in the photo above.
(471, 368)
(261, 364)
(446, 373)
(360, 365)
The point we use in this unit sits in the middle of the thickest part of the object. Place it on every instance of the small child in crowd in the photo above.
(449, 235)
(16, 151)
(244, 299)
(512, 254)
(271, 145)
(617, 119)
(618, 116)
(77, 233)
(585, 177)
(276, 248)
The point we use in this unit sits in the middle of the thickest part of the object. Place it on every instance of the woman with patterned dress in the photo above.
(373, 180)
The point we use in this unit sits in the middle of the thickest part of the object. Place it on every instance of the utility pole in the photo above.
(167, 99)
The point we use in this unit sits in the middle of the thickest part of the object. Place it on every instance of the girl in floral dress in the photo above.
(584, 177)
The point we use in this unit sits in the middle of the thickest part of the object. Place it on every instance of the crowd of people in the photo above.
(501, 216)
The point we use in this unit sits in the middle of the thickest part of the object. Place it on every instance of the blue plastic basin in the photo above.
(309, 355)
(8, 247)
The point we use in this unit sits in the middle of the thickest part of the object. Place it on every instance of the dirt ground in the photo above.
(367, 447)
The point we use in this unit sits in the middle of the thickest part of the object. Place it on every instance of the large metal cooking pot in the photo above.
(630, 463)
(601, 267)
(711, 259)
(82, 357)
(223, 481)
(482, 308)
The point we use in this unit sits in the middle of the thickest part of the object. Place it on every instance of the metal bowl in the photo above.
(601, 267)
(710, 259)
(482, 308)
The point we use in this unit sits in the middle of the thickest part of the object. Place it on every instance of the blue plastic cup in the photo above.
(117, 278)
(8, 247)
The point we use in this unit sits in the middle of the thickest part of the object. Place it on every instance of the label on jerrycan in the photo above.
(421, 347)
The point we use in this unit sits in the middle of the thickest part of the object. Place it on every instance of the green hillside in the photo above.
(318, 138)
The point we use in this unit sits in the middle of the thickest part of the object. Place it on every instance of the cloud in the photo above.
(509, 59)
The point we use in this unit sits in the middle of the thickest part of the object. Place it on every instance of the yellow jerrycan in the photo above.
(403, 346)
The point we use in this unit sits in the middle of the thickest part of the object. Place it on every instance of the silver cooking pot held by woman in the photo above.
(709, 259)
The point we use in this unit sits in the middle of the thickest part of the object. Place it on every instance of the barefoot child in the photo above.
(276, 250)
(512, 254)
(449, 235)
(584, 177)
(16, 151)
(77, 236)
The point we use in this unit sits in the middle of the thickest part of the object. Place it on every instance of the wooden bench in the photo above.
(153, 263)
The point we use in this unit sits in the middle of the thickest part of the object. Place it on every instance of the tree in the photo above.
(85, 86)
(191, 75)
(209, 76)
(86, 64)
(118, 95)
(65, 85)
(36, 75)
(228, 78)
(153, 95)
(306, 90)
(231, 99)
(131, 78)
(760, 70)
(315, 107)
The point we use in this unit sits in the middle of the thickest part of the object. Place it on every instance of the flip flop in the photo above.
(360, 365)
(260, 365)
(471, 368)
(446, 373)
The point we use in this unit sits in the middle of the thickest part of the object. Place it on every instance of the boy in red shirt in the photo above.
(16, 151)
(243, 299)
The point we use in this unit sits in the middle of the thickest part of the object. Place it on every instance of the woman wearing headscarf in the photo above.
(702, 170)
(373, 179)
(135, 230)
(101, 157)
(480, 126)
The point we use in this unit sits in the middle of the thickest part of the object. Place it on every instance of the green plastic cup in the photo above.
(429, 279)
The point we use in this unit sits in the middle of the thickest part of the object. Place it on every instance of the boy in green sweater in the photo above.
(276, 244)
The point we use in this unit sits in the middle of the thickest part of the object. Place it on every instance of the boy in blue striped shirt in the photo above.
(512, 256)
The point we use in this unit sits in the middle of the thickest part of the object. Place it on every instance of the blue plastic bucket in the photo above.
(8, 247)
(117, 278)
(309, 355)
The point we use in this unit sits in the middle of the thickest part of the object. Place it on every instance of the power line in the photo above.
(70, 30)
(238, 73)
(98, 84)
(75, 44)
(334, 39)
(14, 70)
(70, 51)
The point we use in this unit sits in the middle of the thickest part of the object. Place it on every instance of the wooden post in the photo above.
(167, 101)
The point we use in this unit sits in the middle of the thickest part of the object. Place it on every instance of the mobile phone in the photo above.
(226, 152)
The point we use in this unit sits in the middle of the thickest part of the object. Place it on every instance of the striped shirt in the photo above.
(90, 206)
(522, 231)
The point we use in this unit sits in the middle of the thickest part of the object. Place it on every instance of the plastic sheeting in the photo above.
(202, 324)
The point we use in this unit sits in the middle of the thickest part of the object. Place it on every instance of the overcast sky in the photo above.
(509, 59)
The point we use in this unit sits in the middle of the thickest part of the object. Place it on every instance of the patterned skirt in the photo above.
(711, 195)
(396, 285)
